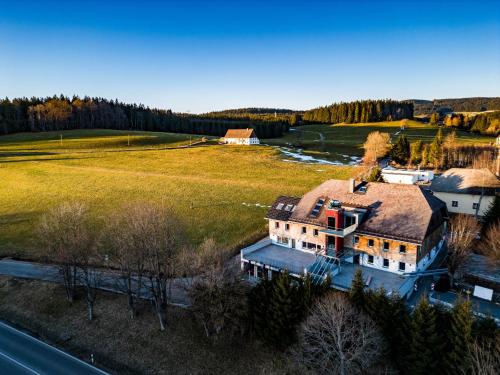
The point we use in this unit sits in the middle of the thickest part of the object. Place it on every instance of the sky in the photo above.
(200, 56)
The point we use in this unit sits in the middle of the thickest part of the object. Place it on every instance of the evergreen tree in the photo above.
(357, 292)
(436, 149)
(416, 152)
(283, 312)
(375, 175)
(492, 216)
(400, 151)
(459, 337)
(426, 353)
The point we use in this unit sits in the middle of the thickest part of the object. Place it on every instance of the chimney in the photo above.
(352, 185)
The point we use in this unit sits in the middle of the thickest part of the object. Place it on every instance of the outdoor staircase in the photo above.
(321, 268)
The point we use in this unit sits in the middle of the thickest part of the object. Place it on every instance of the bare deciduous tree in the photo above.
(463, 231)
(64, 234)
(376, 146)
(337, 339)
(485, 357)
(89, 276)
(161, 235)
(122, 241)
(490, 243)
(218, 295)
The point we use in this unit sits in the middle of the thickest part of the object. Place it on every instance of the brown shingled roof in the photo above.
(394, 210)
(281, 214)
(240, 133)
(466, 181)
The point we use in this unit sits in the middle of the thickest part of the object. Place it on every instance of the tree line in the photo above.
(63, 113)
(484, 123)
(442, 152)
(477, 104)
(361, 111)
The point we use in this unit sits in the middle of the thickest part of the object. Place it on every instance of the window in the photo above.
(315, 233)
(386, 246)
(283, 240)
(279, 206)
(304, 230)
(289, 207)
(356, 239)
(349, 220)
(402, 266)
(402, 249)
(475, 206)
(370, 259)
(287, 226)
(371, 243)
(386, 263)
(454, 203)
(277, 224)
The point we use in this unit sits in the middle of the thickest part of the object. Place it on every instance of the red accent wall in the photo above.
(338, 214)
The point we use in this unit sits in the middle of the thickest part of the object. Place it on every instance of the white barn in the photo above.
(241, 137)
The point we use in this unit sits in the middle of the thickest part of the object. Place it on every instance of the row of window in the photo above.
(371, 243)
(475, 206)
(385, 263)
(304, 229)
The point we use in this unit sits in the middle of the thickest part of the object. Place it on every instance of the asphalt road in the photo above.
(22, 354)
(109, 281)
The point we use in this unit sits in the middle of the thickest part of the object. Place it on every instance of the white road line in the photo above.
(54, 348)
(19, 363)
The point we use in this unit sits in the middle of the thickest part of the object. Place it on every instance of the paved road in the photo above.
(109, 280)
(22, 354)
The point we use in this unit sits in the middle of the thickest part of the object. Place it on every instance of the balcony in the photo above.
(339, 232)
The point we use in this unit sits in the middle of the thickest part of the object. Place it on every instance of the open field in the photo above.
(125, 346)
(219, 191)
(340, 141)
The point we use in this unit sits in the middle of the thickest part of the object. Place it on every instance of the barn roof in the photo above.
(240, 133)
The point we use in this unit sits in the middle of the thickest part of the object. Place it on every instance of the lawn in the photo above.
(219, 191)
(341, 141)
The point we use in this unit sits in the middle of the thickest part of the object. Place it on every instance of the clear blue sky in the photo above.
(208, 55)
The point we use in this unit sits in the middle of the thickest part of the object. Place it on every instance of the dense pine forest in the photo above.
(63, 113)
(257, 114)
(477, 104)
(361, 111)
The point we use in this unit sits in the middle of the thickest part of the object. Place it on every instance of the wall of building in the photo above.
(465, 202)
(378, 252)
(408, 179)
(295, 232)
(242, 141)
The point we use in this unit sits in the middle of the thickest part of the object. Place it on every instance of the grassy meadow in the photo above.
(219, 191)
(340, 141)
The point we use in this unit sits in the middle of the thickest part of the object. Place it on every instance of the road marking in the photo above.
(53, 348)
(19, 363)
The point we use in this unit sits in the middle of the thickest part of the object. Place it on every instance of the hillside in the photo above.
(476, 104)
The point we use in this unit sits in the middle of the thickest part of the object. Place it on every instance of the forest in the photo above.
(361, 111)
(477, 104)
(63, 113)
(484, 123)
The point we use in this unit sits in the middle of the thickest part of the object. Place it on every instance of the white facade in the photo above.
(465, 203)
(406, 176)
(242, 141)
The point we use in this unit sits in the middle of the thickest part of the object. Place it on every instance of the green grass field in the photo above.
(219, 191)
(340, 140)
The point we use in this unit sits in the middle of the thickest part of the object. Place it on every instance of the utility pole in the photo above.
(128, 139)
(61, 139)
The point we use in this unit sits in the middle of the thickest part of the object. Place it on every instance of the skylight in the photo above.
(317, 207)
(289, 207)
(280, 206)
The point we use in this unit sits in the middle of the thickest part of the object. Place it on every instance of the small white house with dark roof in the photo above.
(241, 137)
(466, 191)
